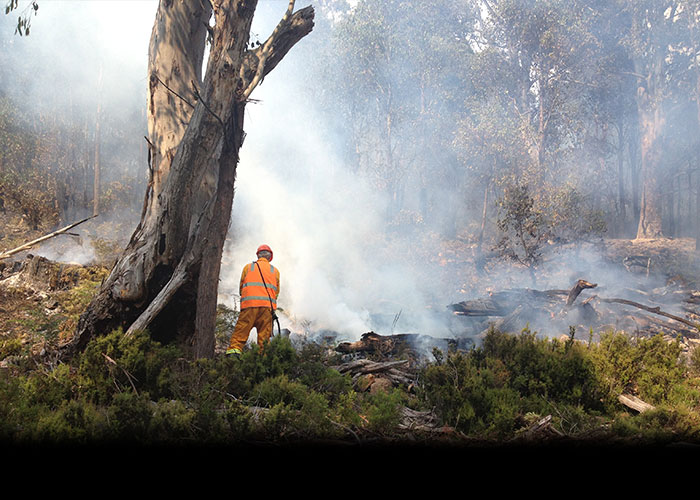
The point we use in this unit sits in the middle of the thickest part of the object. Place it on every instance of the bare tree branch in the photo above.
(290, 29)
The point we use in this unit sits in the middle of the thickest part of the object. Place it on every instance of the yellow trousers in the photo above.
(259, 318)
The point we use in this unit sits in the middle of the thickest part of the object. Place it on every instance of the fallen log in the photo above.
(503, 303)
(366, 372)
(414, 420)
(634, 403)
(411, 344)
(32, 243)
(655, 310)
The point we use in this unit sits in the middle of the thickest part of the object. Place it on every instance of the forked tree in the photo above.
(166, 279)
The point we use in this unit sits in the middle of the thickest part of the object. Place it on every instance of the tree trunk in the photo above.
(97, 167)
(484, 211)
(652, 120)
(621, 179)
(166, 280)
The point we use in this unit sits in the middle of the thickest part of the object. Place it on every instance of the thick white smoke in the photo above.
(293, 191)
(325, 224)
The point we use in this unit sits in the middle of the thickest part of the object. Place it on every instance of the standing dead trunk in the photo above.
(484, 211)
(167, 277)
(651, 121)
(97, 167)
(621, 179)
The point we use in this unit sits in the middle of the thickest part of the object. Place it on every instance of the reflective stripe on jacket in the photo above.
(254, 292)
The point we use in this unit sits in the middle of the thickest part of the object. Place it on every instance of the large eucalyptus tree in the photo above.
(166, 279)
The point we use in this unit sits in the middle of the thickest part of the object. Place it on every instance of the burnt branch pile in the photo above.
(672, 309)
(409, 344)
(395, 372)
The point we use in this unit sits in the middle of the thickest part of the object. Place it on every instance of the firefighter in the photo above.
(259, 289)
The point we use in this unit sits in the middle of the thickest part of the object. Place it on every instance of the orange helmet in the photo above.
(264, 248)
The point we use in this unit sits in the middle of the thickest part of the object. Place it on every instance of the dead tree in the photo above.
(166, 279)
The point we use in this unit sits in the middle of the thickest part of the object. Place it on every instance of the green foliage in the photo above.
(72, 422)
(115, 362)
(571, 217)
(661, 425)
(382, 411)
(647, 366)
(552, 369)
(522, 225)
(133, 389)
(511, 379)
(225, 323)
(695, 360)
(10, 347)
(526, 222)
(130, 416)
(489, 389)
(294, 409)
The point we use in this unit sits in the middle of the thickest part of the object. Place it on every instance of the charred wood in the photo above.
(411, 344)
(370, 375)
(580, 286)
(655, 310)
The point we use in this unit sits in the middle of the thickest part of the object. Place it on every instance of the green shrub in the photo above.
(10, 347)
(130, 416)
(50, 388)
(115, 362)
(489, 389)
(73, 422)
(694, 361)
(239, 420)
(171, 420)
(650, 367)
(294, 408)
(660, 425)
(347, 410)
(383, 411)
(555, 370)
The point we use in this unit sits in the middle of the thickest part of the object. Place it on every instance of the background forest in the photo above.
(448, 118)
(399, 155)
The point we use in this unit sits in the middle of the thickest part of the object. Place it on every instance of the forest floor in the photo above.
(43, 290)
(41, 298)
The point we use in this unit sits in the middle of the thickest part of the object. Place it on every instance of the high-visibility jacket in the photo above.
(254, 291)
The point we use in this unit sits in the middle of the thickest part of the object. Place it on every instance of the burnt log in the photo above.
(541, 429)
(505, 302)
(655, 310)
(580, 286)
(411, 344)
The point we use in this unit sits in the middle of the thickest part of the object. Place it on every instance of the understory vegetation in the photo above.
(133, 389)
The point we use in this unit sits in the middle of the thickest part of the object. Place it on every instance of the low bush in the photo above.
(133, 388)
(649, 367)
(490, 389)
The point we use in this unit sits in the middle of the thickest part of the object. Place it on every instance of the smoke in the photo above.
(296, 192)
(343, 268)
(68, 249)
(81, 57)
(72, 43)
